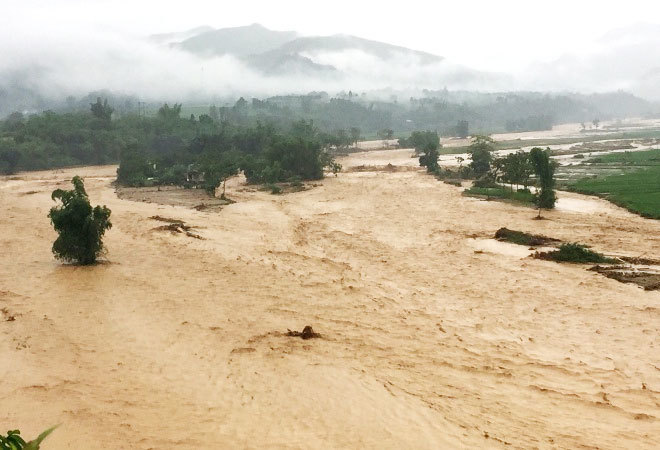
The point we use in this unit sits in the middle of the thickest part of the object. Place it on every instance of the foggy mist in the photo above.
(59, 62)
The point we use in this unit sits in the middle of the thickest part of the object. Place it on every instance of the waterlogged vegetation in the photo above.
(493, 177)
(636, 187)
(80, 227)
(496, 177)
(13, 440)
(522, 238)
(502, 193)
(575, 253)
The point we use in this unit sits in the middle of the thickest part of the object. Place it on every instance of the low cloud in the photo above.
(59, 62)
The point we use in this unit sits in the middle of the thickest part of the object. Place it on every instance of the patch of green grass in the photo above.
(643, 158)
(575, 253)
(501, 193)
(638, 189)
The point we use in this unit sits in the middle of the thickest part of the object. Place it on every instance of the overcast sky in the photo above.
(503, 35)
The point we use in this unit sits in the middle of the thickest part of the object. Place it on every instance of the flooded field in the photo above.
(431, 335)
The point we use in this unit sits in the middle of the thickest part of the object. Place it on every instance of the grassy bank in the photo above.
(636, 189)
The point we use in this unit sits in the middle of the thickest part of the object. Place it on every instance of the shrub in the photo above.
(80, 227)
(545, 169)
(456, 183)
(522, 238)
(486, 182)
(574, 253)
(274, 189)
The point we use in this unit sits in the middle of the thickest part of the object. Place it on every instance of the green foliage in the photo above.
(174, 175)
(426, 144)
(429, 159)
(134, 169)
(8, 160)
(80, 227)
(480, 151)
(514, 168)
(168, 113)
(216, 170)
(487, 181)
(545, 169)
(575, 253)
(13, 440)
(334, 167)
(502, 193)
(274, 189)
(80, 135)
(522, 238)
(421, 141)
(462, 128)
(102, 111)
(355, 134)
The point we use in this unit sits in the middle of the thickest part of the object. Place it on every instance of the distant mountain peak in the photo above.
(239, 41)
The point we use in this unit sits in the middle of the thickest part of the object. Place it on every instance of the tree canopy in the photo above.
(80, 227)
(480, 150)
(545, 169)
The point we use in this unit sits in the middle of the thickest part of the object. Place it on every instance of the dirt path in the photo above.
(426, 342)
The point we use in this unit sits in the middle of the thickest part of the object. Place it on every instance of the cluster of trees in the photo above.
(264, 153)
(516, 169)
(56, 140)
(170, 149)
(489, 171)
(100, 136)
(426, 145)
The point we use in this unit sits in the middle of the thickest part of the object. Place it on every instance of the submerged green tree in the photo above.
(429, 159)
(480, 150)
(545, 169)
(217, 170)
(80, 227)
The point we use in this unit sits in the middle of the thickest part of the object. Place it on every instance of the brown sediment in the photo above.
(648, 280)
(176, 226)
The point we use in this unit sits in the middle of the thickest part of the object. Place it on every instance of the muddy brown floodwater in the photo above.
(429, 336)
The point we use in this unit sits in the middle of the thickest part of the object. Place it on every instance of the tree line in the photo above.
(168, 148)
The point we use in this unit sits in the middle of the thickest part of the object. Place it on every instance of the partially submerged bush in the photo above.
(502, 193)
(574, 253)
(456, 183)
(522, 238)
(14, 441)
(486, 182)
(274, 189)
(80, 227)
